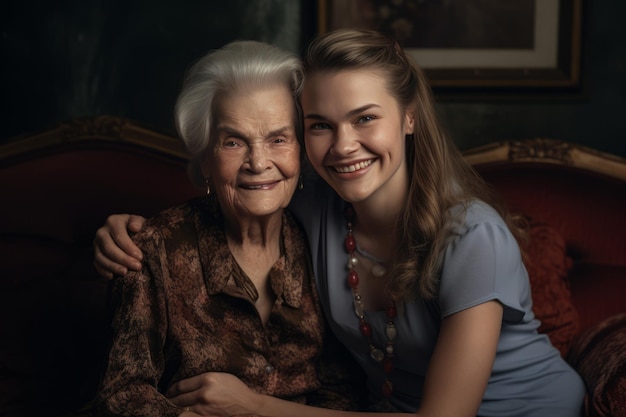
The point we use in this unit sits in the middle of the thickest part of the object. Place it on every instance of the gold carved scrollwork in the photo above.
(106, 126)
(94, 132)
(548, 151)
(541, 149)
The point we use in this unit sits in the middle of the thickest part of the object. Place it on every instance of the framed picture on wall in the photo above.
(475, 44)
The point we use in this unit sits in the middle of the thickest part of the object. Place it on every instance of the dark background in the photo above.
(67, 59)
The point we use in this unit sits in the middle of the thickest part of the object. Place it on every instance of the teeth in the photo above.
(354, 167)
(255, 187)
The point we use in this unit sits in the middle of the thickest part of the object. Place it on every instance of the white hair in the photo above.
(238, 66)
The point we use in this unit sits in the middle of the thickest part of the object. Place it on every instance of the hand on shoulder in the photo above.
(114, 251)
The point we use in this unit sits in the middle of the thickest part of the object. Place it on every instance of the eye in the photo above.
(232, 142)
(284, 138)
(319, 126)
(365, 119)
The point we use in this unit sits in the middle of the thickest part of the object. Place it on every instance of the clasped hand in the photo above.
(214, 394)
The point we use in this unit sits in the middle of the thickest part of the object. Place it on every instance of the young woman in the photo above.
(420, 273)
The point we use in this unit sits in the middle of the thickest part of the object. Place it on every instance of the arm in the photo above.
(482, 262)
(114, 251)
(136, 359)
(462, 361)
(222, 394)
(457, 375)
(455, 383)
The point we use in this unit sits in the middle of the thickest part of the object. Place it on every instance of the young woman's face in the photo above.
(355, 134)
(254, 162)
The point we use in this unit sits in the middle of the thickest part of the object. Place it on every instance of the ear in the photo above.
(409, 121)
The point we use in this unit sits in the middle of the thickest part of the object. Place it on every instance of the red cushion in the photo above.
(547, 265)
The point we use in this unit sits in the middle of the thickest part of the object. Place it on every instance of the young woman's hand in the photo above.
(214, 393)
(114, 251)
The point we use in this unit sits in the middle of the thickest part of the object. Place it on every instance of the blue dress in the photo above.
(482, 262)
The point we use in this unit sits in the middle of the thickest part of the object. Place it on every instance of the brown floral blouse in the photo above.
(190, 310)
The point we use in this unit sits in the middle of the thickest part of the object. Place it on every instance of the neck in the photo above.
(261, 232)
(376, 228)
(376, 220)
(254, 242)
(255, 245)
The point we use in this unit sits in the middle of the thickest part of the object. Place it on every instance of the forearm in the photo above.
(461, 365)
(275, 407)
(141, 399)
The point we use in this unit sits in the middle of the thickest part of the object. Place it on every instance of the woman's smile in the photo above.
(358, 166)
(259, 186)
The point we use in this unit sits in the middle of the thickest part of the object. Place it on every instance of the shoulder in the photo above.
(314, 189)
(482, 261)
(168, 221)
(315, 202)
(478, 229)
(475, 213)
(478, 223)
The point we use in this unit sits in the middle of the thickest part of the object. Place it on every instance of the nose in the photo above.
(258, 158)
(345, 141)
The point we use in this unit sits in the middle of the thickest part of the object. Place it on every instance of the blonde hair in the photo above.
(439, 176)
(238, 66)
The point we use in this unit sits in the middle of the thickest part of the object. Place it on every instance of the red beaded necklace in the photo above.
(384, 357)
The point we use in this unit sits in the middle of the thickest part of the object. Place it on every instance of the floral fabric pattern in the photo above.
(191, 310)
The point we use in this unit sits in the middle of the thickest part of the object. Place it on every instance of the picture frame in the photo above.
(476, 45)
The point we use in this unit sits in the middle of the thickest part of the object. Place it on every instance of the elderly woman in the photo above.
(226, 283)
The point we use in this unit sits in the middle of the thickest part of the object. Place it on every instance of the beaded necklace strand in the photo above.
(384, 357)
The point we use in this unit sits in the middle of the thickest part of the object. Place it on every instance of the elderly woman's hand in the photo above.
(114, 251)
(214, 393)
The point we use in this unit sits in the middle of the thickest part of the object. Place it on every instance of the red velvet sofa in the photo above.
(59, 185)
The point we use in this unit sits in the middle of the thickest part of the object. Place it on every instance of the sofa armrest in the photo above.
(599, 355)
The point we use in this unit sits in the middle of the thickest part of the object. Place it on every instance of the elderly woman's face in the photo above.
(253, 165)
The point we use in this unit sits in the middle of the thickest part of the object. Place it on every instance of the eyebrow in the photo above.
(349, 114)
(235, 132)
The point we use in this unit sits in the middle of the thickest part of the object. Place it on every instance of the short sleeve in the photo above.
(483, 262)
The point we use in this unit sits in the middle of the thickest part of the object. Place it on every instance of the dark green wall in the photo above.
(66, 59)
(595, 117)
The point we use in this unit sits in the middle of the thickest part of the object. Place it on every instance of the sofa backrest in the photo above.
(582, 194)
